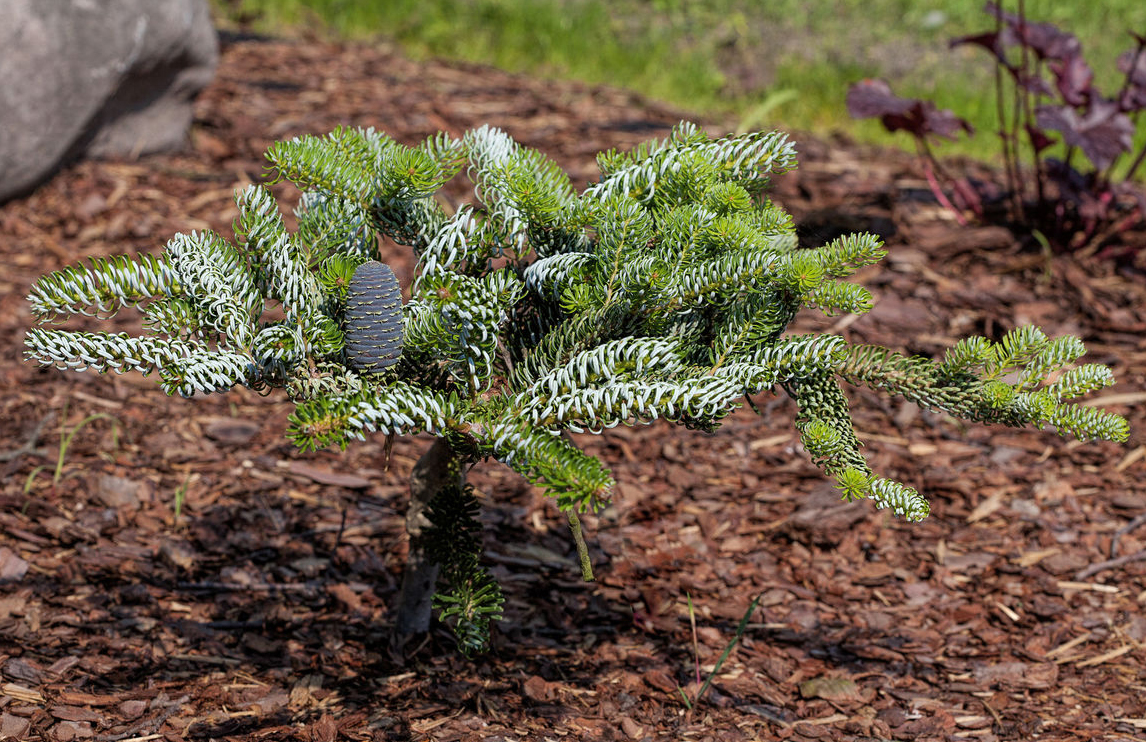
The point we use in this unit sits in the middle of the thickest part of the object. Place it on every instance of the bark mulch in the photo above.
(188, 575)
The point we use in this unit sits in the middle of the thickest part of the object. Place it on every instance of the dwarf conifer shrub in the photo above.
(663, 290)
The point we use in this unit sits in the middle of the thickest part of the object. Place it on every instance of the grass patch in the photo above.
(783, 63)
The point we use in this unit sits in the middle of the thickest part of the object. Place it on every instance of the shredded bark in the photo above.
(259, 606)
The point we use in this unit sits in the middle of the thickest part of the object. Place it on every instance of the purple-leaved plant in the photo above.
(1045, 94)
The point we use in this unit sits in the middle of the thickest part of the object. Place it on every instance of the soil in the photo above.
(179, 571)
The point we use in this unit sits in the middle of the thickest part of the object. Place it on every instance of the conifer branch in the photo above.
(664, 290)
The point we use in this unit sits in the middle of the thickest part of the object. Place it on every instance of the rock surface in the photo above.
(98, 78)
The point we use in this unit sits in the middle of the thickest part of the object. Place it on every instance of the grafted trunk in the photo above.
(439, 467)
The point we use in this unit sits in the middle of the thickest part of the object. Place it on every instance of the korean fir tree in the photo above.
(663, 290)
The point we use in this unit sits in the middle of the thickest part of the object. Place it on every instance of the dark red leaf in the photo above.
(944, 122)
(1072, 78)
(1133, 65)
(1039, 139)
(1033, 83)
(1050, 42)
(1102, 134)
(990, 40)
(1046, 40)
(874, 99)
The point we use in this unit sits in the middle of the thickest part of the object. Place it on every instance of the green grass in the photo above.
(785, 63)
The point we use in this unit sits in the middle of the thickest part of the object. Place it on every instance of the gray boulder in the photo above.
(98, 78)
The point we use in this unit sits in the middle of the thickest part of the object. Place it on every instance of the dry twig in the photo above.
(1110, 564)
(1139, 520)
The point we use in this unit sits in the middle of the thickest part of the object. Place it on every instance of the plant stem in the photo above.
(1114, 228)
(1009, 161)
(695, 639)
(1024, 97)
(1134, 165)
(582, 547)
(937, 191)
(439, 467)
(1128, 80)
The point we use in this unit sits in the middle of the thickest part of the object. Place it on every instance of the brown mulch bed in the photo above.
(258, 607)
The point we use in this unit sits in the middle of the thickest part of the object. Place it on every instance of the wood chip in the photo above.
(328, 477)
(229, 430)
(1007, 611)
(13, 727)
(1031, 558)
(840, 690)
(73, 713)
(1067, 646)
(987, 507)
(833, 719)
(12, 566)
(1130, 458)
(1012, 675)
(20, 693)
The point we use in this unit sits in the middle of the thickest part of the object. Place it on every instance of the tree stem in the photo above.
(439, 467)
(582, 547)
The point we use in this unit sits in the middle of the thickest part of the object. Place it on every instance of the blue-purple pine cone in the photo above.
(373, 318)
